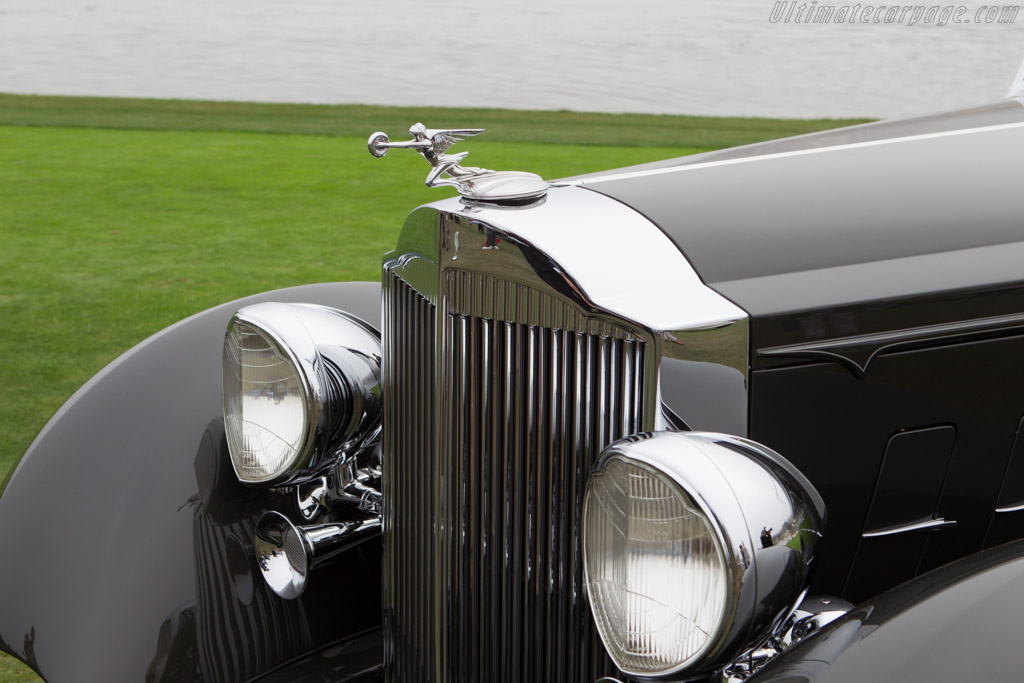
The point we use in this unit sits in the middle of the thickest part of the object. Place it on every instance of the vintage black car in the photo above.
(581, 429)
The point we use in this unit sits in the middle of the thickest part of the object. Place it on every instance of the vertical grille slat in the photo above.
(508, 625)
(409, 478)
(485, 474)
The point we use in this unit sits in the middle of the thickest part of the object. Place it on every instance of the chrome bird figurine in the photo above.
(471, 182)
(432, 144)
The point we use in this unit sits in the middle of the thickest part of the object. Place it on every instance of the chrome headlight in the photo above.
(301, 388)
(695, 546)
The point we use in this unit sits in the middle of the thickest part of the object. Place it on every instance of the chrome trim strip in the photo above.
(801, 152)
(1011, 508)
(939, 523)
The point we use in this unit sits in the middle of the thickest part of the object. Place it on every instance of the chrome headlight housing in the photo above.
(301, 389)
(695, 547)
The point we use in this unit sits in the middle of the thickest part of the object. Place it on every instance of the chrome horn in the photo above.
(286, 554)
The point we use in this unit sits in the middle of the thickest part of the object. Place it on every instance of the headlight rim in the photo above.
(290, 329)
(761, 589)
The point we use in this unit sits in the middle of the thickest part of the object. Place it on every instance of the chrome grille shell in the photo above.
(503, 380)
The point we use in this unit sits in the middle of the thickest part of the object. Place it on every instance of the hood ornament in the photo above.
(473, 183)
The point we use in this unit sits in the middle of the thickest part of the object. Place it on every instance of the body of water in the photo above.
(661, 56)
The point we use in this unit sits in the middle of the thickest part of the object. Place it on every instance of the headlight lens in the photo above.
(655, 569)
(301, 390)
(696, 546)
(266, 404)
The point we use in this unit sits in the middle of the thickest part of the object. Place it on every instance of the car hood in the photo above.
(845, 226)
(999, 113)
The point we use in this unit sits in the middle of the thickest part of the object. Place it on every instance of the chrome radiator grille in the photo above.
(483, 497)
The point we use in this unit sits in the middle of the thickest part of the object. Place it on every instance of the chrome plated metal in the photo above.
(705, 376)
(286, 554)
(337, 357)
(925, 525)
(813, 614)
(473, 183)
(611, 257)
(359, 487)
(1011, 508)
(412, 481)
(768, 519)
(311, 498)
(349, 490)
(431, 143)
(518, 343)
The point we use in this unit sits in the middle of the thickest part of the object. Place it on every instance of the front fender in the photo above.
(127, 540)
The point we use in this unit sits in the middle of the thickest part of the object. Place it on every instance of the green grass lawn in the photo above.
(119, 217)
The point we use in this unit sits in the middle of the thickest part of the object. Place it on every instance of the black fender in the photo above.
(127, 539)
(960, 622)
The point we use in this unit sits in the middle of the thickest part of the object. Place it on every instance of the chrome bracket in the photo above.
(813, 614)
(349, 491)
(311, 498)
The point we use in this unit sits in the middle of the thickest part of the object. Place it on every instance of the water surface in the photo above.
(661, 56)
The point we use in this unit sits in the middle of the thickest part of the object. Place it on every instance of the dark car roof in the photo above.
(828, 226)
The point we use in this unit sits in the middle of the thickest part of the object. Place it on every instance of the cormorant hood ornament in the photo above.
(473, 183)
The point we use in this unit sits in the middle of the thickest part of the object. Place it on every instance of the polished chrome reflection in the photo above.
(518, 344)
(925, 525)
(301, 390)
(757, 512)
(471, 182)
(286, 554)
(813, 614)
(311, 498)
(350, 491)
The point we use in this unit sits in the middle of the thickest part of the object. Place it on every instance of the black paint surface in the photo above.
(907, 491)
(975, 117)
(835, 428)
(130, 539)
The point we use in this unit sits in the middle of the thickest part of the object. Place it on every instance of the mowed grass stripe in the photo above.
(341, 120)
